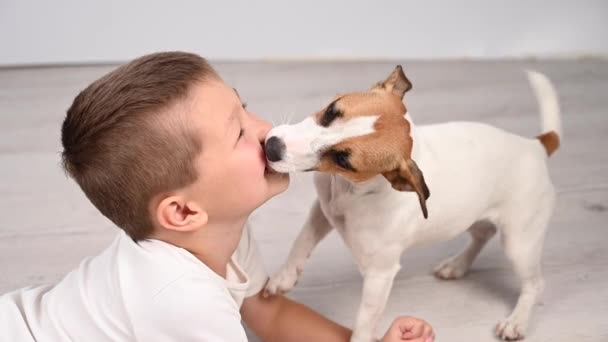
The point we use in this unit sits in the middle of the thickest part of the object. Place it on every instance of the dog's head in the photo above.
(358, 135)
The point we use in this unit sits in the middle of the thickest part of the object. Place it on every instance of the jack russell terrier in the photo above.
(378, 171)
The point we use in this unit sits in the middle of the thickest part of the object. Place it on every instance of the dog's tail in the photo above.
(549, 111)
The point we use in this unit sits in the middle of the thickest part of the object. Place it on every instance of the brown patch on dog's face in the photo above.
(358, 135)
(360, 158)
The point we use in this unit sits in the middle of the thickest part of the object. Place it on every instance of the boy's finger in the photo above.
(392, 334)
(420, 339)
(416, 339)
(408, 335)
(428, 331)
(417, 330)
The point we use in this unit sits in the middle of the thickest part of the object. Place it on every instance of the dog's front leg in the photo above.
(314, 230)
(377, 286)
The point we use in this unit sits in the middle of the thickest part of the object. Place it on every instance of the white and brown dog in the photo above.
(476, 177)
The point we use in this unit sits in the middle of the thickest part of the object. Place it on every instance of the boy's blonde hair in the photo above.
(114, 146)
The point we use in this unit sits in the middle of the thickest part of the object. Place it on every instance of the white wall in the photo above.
(67, 31)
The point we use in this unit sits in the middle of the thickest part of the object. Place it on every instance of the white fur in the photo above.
(482, 179)
(547, 101)
(306, 139)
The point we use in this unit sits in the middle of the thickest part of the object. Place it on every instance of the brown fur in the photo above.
(387, 151)
(385, 148)
(550, 141)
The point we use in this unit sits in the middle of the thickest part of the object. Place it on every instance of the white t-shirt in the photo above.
(145, 291)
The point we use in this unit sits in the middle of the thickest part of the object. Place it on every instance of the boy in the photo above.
(164, 149)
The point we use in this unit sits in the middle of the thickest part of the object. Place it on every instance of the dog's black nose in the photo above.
(274, 148)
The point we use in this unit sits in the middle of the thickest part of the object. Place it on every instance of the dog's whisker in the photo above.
(280, 120)
(288, 117)
(291, 117)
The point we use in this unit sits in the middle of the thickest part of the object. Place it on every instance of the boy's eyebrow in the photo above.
(234, 115)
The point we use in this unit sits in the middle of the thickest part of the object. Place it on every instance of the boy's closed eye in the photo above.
(240, 135)
(242, 131)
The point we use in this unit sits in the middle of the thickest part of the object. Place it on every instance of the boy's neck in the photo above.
(217, 245)
(214, 244)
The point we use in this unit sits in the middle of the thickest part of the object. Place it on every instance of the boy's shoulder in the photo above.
(148, 268)
(137, 289)
(161, 283)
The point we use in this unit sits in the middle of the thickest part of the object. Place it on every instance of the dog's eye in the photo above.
(341, 158)
(331, 114)
(244, 105)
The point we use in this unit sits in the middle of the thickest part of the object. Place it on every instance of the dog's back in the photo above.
(471, 167)
(480, 172)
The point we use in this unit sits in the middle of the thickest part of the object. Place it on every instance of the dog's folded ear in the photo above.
(396, 83)
(408, 177)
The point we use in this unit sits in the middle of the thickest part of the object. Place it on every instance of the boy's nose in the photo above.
(274, 148)
(262, 128)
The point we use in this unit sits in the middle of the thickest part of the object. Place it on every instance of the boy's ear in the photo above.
(178, 214)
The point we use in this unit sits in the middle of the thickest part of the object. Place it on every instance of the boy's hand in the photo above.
(409, 329)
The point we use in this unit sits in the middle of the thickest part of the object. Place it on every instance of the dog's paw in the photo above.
(451, 268)
(282, 282)
(510, 330)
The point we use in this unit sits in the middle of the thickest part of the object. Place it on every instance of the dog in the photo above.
(387, 185)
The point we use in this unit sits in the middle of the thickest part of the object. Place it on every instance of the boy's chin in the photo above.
(273, 175)
(277, 181)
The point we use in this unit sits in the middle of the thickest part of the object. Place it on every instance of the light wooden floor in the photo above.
(47, 226)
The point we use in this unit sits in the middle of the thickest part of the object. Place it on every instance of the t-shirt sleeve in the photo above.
(186, 311)
(248, 257)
